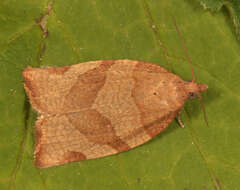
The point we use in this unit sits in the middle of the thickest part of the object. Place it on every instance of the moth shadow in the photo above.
(164, 134)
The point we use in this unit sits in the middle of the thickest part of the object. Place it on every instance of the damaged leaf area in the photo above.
(58, 33)
(232, 6)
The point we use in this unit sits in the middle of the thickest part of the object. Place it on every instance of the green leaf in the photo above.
(46, 33)
(233, 7)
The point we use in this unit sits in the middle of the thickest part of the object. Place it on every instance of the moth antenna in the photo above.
(203, 108)
(185, 48)
(191, 65)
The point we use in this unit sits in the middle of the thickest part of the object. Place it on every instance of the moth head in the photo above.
(193, 89)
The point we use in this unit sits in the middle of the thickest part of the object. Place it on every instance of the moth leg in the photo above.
(179, 120)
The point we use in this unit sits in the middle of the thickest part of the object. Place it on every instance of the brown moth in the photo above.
(99, 108)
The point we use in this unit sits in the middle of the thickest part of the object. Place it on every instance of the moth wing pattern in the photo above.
(100, 108)
(47, 87)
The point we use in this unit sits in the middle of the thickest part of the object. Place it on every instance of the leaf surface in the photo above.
(232, 7)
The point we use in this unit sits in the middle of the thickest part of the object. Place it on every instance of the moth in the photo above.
(99, 108)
